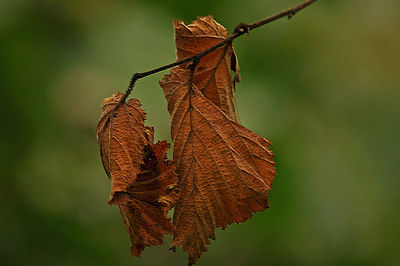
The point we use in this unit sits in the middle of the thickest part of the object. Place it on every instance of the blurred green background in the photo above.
(323, 86)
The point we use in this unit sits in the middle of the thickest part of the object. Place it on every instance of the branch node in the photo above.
(242, 28)
(135, 77)
(195, 61)
(291, 14)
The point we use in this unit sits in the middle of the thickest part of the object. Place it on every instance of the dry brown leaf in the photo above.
(224, 170)
(122, 137)
(143, 181)
(213, 74)
(149, 199)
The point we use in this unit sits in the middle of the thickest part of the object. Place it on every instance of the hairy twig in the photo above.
(241, 29)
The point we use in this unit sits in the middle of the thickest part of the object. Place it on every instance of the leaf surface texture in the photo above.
(224, 169)
(143, 181)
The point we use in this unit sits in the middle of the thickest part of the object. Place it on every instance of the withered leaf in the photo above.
(122, 137)
(213, 74)
(149, 199)
(224, 169)
(143, 181)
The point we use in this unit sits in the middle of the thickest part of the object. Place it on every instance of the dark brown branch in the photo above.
(239, 30)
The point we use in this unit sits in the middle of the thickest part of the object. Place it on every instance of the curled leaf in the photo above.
(122, 137)
(143, 181)
(149, 199)
(213, 74)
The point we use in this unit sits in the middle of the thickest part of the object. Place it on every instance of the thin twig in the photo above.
(239, 30)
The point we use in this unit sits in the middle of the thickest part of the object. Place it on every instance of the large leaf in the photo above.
(224, 169)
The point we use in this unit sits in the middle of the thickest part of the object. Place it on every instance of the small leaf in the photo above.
(141, 176)
(213, 74)
(149, 199)
(122, 137)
